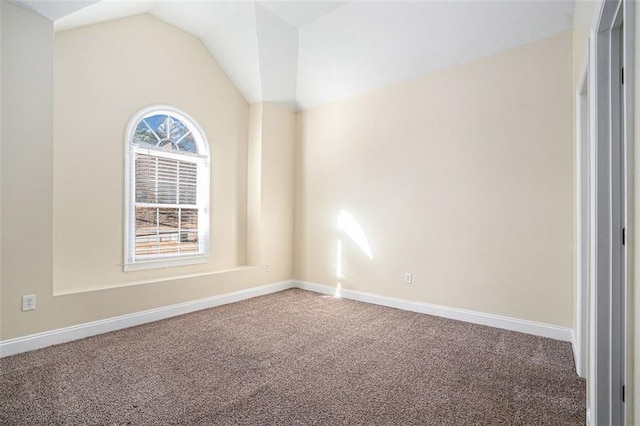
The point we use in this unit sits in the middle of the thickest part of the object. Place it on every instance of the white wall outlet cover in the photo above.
(268, 267)
(408, 277)
(29, 302)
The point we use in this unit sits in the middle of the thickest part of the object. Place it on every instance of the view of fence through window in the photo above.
(166, 231)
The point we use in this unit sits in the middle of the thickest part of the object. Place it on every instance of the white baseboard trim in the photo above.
(506, 323)
(76, 332)
(68, 334)
(575, 349)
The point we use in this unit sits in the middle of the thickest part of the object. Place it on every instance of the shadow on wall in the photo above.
(349, 227)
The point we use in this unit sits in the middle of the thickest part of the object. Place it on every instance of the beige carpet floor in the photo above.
(297, 358)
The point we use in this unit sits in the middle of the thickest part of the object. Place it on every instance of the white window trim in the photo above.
(204, 179)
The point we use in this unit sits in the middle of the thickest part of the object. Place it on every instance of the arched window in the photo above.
(167, 190)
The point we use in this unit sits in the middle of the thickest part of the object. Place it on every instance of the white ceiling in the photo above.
(301, 54)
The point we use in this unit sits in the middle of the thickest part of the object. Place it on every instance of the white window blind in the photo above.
(166, 208)
(165, 180)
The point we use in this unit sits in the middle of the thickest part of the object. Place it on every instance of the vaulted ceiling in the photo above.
(301, 54)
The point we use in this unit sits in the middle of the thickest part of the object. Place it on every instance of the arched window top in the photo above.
(166, 129)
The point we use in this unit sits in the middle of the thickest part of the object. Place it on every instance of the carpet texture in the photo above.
(297, 358)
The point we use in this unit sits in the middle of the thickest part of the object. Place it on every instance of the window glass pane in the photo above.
(188, 144)
(169, 242)
(189, 230)
(146, 220)
(146, 231)
(161, 125)
(166, 231)
(165, 132)
(189, 242)
(144, 136)
(168, 220)
(178, 130)
(189, 218)
(155, 122)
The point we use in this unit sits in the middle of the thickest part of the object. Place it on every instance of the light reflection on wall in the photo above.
(349, 227)
(340, 260)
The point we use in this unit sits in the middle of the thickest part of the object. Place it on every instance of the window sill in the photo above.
(165, 263)
(120, 285)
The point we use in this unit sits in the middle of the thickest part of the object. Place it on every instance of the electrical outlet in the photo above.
(408, 277)
(29, 302)
(268, 267)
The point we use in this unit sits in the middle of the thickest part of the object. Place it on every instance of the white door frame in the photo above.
(612, 170)
(629, 49)
(583, 179)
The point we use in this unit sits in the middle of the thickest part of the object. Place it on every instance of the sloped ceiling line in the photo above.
(301, 54)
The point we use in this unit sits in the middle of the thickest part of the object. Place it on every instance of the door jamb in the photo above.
(608, 325)
(582, 221)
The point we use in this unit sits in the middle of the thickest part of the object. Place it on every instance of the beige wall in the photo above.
(104, 74)
(278, 178)
(32, 210)
(462, 177)
(27, 198)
